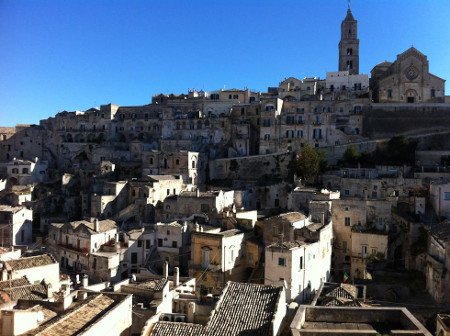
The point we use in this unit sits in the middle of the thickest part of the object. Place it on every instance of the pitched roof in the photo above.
(163, 328)
(27, 292)
(441, 232)
(73, 321)
(244, 309)
(104, 225)
(30, 262)
(14, 283)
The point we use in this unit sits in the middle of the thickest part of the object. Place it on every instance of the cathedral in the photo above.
(406, 80)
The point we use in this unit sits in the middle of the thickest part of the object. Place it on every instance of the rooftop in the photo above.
(153, 285)
(163, 177)
(441, 231)
(30, 262)
(290, 217)
(354, 320)
(286, 245)
(24, 292)
(8, 208)
(245, 309)
(75, 320)
(104, 225)
(176, 329)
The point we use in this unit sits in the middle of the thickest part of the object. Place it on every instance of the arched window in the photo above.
(193, 164)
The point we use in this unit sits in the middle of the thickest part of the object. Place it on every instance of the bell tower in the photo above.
(349, 44)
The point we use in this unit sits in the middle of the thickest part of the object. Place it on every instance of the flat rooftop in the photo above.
(321, 321)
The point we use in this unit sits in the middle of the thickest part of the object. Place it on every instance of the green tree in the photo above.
(351, 155)
(308, 164)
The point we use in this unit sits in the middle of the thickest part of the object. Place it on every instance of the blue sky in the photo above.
(72, 55)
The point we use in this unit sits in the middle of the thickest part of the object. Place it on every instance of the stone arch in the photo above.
(411, 96)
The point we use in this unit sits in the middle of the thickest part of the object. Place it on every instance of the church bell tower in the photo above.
(349, 44)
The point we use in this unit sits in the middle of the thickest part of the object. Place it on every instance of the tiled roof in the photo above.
(30, 262)
(286, 245)
(244, 309)
(73, 321)
(163, 328)
(441, 232)
(154, 285)
(29, 292)
(104, 225)
(14, 283)
(290, 217)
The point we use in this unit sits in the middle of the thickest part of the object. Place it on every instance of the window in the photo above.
(389, 93)
(349, 66)
(168, 192)
(346, 192)
(347, 221)
(204, 207)
(301, 262)
(282, 262)
(433, 93)
(160, 242)
(174, 244)
(205, 256)
(363, 250)
(147, 244)
(344, 246)
(134, 258)
(193, 164)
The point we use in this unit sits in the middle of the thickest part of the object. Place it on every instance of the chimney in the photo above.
(198, 193)
(191, 312)
(49, 291)
(166, 270)
(36, 159)
(176, 276)
(81, 295)
(85, 281)
(96, 225)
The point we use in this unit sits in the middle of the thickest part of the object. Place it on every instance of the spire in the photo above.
(349, 16)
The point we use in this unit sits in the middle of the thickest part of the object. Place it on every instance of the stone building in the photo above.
(360, 230)
(217, 258)
(438, 261)
(407, 80)
(303, 264)
(349, 45)
(87, 247)
(15, 225)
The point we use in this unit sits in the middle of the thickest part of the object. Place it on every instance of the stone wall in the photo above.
(388, 120)
(251, 167)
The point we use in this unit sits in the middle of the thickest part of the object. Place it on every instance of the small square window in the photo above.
(281, 262)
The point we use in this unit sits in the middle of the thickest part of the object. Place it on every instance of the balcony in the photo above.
(73, 248)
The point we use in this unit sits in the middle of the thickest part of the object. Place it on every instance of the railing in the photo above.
(73, 248)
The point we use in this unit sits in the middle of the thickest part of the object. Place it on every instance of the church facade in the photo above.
(407, 80)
